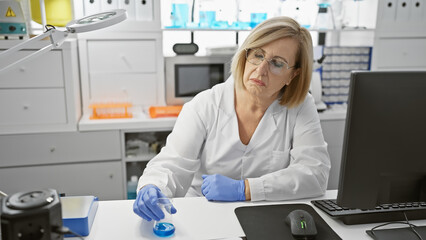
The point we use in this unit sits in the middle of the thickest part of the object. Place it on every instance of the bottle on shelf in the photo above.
(131, 187)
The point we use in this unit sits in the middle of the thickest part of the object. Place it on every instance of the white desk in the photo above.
(198, 219)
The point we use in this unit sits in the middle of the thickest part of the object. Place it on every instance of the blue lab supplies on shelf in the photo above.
(78, 213)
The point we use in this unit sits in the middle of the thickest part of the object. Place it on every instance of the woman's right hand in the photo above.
(146, 206)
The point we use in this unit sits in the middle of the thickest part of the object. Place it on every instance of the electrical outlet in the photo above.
(144, 10)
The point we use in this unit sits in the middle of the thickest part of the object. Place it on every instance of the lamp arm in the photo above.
(56, 39)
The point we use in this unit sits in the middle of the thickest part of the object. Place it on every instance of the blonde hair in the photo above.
(269, 31)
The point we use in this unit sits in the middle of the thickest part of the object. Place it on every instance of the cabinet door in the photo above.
(58, 148)
(101, 179)
(32, 107)
(122, 56)
(44, 71)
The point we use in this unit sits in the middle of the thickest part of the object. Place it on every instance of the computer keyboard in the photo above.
(381, 213)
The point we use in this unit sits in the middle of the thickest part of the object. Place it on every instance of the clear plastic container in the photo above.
(180, 13)
(131, 187)
(165, 226)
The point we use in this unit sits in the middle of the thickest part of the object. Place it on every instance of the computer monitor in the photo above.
(384, 148)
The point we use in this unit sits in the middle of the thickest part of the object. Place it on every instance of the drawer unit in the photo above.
(122, 56)
(101, 179)
(122, 66)
(35, 74)
(59, 148)
(32, 107)
(42, 94)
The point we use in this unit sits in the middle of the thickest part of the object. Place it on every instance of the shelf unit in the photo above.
(139, 147)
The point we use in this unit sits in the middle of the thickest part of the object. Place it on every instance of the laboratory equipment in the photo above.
(180, 13)
(188, 75)
(31, 215)
(78, 213)
(12, 20)
(325, 17)
(207, 13)
(187, 48)
(164, 111)
(110, 110)
(384, 143)
(57, 37)
(165, 227)
(131, 187)
(302, 224)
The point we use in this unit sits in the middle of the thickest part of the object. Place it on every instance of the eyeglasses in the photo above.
(276, 65)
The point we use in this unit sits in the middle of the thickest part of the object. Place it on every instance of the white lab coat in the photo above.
(286, 157)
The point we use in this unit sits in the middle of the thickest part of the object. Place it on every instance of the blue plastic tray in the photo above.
(78, 213)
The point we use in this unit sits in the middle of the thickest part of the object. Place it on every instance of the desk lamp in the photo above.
(57, 37)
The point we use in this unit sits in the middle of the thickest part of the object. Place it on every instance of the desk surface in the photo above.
(198, 219)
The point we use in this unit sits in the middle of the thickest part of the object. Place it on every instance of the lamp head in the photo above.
(96, 21)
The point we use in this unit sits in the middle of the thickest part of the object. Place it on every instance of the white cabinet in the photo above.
(73, 163)
(400, 38)
(122, 68)
(42, 94)
(103, 179)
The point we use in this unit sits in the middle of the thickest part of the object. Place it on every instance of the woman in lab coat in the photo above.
(255, 137)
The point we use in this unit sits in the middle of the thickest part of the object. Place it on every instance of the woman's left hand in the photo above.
(220, 188)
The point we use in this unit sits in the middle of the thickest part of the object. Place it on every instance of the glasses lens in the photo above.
(276, 65)
(255, 56)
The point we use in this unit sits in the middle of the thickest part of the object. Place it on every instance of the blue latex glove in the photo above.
(146, 206)
(220, 188)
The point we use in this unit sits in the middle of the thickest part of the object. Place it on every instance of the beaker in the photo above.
(164, 227)
(180, 15)
(207, 14)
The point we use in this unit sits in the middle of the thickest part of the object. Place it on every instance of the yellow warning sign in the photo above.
(10, 13)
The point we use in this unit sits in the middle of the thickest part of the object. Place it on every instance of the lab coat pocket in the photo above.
(280, 160)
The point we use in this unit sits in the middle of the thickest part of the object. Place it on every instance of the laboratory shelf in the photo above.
(348, 29)
(140, 157)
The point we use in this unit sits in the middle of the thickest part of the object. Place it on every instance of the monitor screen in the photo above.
(194, 78)
(384, 148)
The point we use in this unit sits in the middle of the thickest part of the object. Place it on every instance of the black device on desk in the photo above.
(383, 169)
(302, 224)
(34, 215)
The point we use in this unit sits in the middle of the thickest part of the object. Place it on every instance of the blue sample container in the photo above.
(164, 229)
(207, 19)
(256, 18)
(180, 15)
